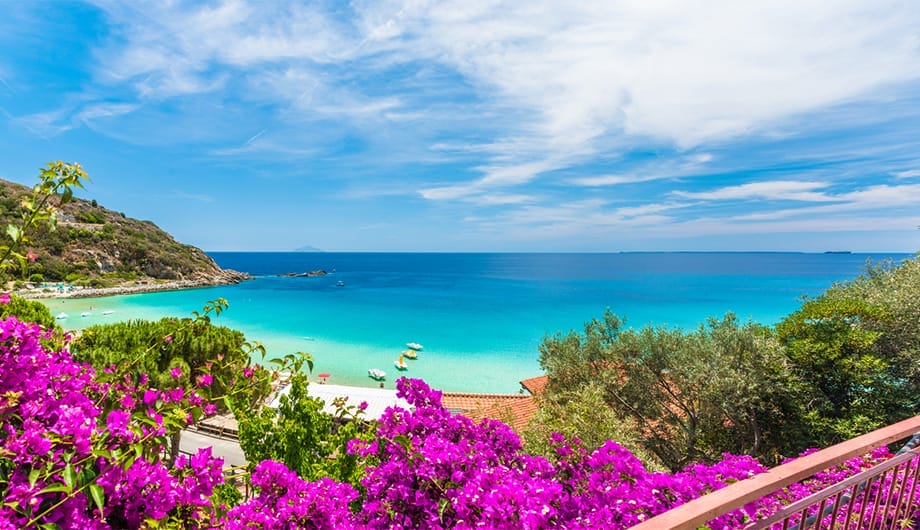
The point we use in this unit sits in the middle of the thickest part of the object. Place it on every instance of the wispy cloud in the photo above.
(789, 190)
(52, 123)
(882, 198)
(680, 166)
(494, 177)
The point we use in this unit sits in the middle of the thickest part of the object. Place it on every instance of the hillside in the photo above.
(97, 247)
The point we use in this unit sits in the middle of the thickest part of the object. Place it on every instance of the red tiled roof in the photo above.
(535, 385)
(515, 410)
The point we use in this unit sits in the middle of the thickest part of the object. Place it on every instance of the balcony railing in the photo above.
(879, 497)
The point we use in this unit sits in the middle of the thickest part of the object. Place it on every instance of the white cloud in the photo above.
(791, 190)
(880, 198)
(909, 174)
(495, 176)
(501, 199)
(559, 83)
(52, 123)
(678, 71)
(850, 223)
(657, 170)
(884, 196)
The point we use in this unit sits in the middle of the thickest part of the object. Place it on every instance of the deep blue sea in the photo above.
(480, 317)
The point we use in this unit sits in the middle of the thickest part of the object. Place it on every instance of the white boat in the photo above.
(85, 314)
(61, 316)
(340, 283)
(376, 374)
(400, 364)
(414, 346)
(108, 312)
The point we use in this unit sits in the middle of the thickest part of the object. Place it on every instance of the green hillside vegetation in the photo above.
(94, 246)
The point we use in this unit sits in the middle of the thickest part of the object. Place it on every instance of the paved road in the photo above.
(229, 450)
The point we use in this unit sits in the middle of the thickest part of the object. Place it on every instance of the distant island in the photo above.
(308, 248)
(95, 251)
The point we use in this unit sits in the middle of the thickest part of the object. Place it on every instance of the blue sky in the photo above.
(478, 125)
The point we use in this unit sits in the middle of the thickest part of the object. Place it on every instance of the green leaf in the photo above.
(95, 491)
(33, 477)
(69, 475)
(442, 506)
(55, 488)
(403, 441)
(14, 232)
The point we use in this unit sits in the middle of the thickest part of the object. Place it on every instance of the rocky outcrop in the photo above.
(311, 274)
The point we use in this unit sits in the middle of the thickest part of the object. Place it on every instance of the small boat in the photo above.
(85, 314)
(61, 316)
(414, 346)
(108, 312)
(340, 283)
(376, 374)
(400, 363)
(410, 354)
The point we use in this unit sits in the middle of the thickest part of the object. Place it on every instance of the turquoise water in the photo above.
(480, 317)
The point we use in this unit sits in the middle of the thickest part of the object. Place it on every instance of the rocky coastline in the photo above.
(150, 285)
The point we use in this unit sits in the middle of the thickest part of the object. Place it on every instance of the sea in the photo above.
(480, 317)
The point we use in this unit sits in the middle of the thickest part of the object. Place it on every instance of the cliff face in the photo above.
(95, 245)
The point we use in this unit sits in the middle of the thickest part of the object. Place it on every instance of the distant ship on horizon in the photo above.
(838, 252)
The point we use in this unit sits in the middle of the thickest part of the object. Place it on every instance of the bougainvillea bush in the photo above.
(79, 453)
(81, 449)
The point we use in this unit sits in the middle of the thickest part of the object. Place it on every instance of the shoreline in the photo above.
(225, 277)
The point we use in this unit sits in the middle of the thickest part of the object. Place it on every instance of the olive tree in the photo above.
(688, 395)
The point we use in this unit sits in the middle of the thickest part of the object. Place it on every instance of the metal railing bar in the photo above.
(850, 504)
(859, 482)
(865, 503)
(889, 501)
(698, 512)
(904, 500)
(878, 496)
(836, 511)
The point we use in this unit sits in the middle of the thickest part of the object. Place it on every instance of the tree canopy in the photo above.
(175, 353)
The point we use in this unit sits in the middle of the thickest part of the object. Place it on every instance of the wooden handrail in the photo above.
(699, 511)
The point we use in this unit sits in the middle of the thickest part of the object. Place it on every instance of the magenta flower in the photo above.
(4, 298)
(204, 380)
(176, 372)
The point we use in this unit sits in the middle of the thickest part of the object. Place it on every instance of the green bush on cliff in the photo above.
(27, 311)
(156, 348)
